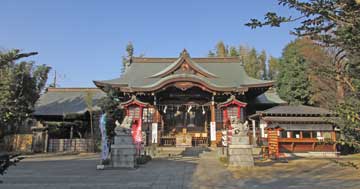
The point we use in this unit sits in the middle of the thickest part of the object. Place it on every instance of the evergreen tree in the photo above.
(20, 86)
(273, 68)
(262, 65)
(211, 54)
(233, 52)
(251, 63)
(221, 50)
(292, 82)
(254, 63)
(243, 52)
(126, 60)
(130, 49)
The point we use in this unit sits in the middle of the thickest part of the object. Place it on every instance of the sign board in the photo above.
(154, 133)
(212, 131)
(273, 142)
(136, 133)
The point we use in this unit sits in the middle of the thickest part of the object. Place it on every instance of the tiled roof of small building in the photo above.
(63, 101)
(269, 97)
(297, 110)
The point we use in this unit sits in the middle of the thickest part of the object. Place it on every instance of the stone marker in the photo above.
(123, 150)
(240, 150)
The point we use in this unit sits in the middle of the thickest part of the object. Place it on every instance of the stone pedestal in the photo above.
(240, 150)
(240, 155)
(123, 150)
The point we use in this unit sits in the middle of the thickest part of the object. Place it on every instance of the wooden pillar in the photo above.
(254, 132)
(46, 143)
(212, 123)
(212, 107)
(333, 136)
(206, 123)
(71, 137)
(155, 121)
(292, 147)
(71, 131)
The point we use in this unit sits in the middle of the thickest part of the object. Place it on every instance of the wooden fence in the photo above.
(71, 145)
(19, 142)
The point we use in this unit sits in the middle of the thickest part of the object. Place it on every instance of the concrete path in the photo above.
(81, 173)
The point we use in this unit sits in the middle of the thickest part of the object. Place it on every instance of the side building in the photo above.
(63, 119)
(300, 130)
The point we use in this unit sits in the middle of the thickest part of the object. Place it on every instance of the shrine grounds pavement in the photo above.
(74, 172)
(79, 171)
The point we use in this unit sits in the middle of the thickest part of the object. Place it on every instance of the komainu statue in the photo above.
(240, 150)
(124, 127)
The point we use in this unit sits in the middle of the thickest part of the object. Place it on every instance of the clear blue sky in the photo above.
(84, 40)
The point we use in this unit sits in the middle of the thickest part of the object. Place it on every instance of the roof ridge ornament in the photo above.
(184, 63)
(184, 53)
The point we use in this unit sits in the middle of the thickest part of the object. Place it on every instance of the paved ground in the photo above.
(81, 173)
(297, 174)
(78, 171)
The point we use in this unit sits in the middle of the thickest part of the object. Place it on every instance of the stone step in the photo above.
(195, 151)
(180, 151)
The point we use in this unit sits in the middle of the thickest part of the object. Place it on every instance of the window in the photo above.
(313, 134)
(242, 114)
(134, 112)
(148, 115)
(232, 111)
(283, 134)
(306, 134)
(326, 135)
(295, 134)
(218, 116)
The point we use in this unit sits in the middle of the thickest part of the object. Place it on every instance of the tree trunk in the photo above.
(340, 89)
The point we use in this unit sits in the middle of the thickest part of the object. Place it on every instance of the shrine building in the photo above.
(185, 101)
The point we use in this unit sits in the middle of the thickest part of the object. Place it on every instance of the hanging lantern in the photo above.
(203, 110)
(189, 109)
(177, 111)
(165, 109)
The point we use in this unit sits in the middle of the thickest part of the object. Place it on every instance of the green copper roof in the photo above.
(224, 74)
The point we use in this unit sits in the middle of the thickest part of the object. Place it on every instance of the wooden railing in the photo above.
(199, 141)
(305, 140)
(168, 141)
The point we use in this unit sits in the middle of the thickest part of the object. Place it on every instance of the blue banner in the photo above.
(104, 143)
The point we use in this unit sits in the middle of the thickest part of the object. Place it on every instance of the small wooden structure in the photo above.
(297, 129)
(63, 120)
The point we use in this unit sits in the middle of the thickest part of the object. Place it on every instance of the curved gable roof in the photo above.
(219, 74)
(183, 59)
